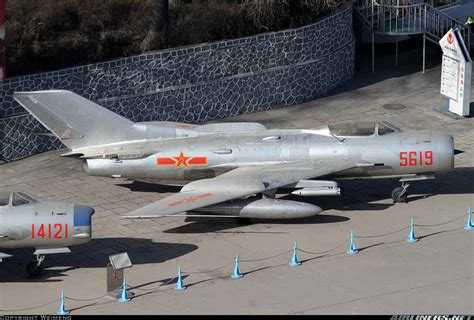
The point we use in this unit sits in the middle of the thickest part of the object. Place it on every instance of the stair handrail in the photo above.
(465, 31)
(409, 13)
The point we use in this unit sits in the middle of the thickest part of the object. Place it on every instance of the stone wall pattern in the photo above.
(194, 84)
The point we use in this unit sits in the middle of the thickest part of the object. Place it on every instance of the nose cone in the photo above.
(449, 151)
(445, 146)
(82, 215)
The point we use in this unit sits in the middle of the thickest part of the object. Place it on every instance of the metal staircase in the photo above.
(407, 17)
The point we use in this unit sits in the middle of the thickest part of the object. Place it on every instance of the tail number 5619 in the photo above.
(414, 158)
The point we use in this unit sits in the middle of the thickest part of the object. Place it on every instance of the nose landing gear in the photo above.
(34, 268)
(400, 194)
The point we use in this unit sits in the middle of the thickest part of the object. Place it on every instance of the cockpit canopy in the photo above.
(361, 128)
(14, 199)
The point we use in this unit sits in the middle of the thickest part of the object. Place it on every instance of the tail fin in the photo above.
(76, 121)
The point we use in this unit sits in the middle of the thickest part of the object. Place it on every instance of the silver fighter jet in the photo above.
(234, 169)
(49, 227)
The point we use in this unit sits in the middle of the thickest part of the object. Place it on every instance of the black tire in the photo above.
(33, 269)
(397, 197)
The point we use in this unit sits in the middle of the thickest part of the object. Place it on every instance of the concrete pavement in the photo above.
(388, 275)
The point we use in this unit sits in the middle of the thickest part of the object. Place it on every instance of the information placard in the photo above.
(450, 78)
(456, 71)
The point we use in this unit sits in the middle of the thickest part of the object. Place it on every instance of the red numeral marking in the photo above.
(429, 158)
(57, 234)
(41, 232)
(57, 228)
(403, 159)
(414, 158)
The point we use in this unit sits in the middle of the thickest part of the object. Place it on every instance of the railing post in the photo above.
(373, 52)
(396, 52)
(424, 50)
(424, 40)
(373, 40)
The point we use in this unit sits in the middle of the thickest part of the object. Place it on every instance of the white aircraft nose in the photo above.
(445, 146)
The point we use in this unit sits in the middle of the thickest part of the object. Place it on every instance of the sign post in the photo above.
(118, 262)
(456, 73)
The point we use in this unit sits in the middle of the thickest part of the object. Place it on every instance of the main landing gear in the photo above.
(34, 268)
(400, 194)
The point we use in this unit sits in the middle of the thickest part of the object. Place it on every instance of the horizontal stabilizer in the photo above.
(52, 250)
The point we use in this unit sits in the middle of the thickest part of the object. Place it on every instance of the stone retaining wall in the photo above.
(196, 83)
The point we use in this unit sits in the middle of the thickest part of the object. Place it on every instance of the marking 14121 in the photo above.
(50, 231)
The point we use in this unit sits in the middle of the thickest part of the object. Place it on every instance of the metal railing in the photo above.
(408, 17)
(405, 17)
(398, 19)
(437, 3)
(438, 23)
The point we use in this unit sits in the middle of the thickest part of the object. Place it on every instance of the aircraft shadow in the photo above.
(357, 195)
(94, 254)
(367, 195)
(140, 186)
(217, 225)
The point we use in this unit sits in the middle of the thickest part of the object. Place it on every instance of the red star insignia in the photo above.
(181, 160)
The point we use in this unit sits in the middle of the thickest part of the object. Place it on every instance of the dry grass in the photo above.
(52, 34)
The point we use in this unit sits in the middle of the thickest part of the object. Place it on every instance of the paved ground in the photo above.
(388, 275)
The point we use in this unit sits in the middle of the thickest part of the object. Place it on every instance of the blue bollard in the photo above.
(352, 248)
(412, 237)
(62, 311)
(294, 260)
(469, 224)
(124, 297)
(179, 283)
(236, 274)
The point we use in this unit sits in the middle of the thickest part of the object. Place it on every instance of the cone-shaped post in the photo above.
(294, 259)
(469, 224)
(412, 237)
(124, 297)
(352, 247)
(236, 274)
(62, 310)
(179, 283)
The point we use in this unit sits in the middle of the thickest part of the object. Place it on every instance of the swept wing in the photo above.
(240, 182)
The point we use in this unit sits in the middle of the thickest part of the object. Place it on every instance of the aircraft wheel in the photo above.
(33, 269)
(397, 195)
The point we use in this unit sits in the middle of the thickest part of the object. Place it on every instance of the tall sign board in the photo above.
(456, 71)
